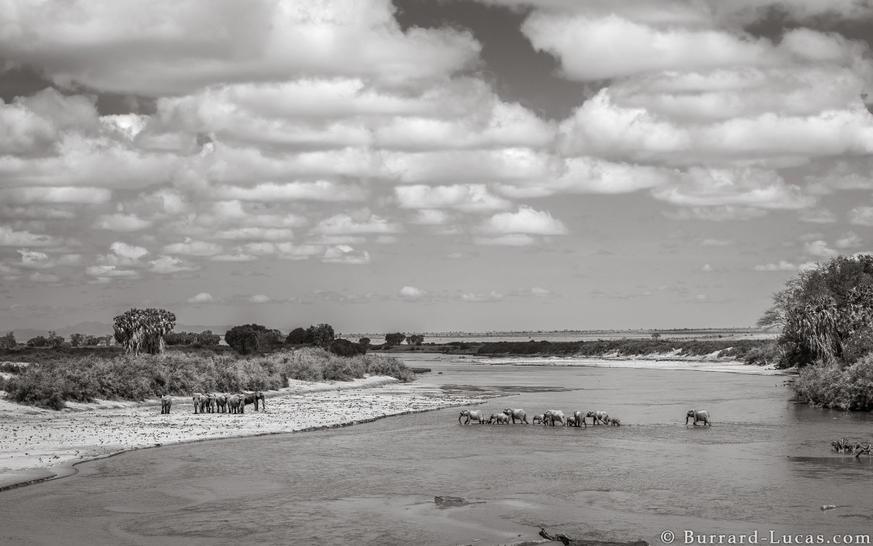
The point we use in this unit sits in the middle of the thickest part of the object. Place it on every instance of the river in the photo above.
(764, 466)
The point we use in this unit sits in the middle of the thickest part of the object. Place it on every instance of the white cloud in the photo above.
(292, 191)
(193, 248)
(10, 237)
(32, 259)
(862, 216)
(464, 197)
(36, 276)
(525, 221)
(120, 46)
(716, 242)
(781, 266)
(429, 217)
(849, 240)
(817, 216)
(202, 297)
(121, 222)
(55, 195)
(259, 298)
(736, 187)
(539, 292)
(513, 239)
(106, 271)
(473, 297)
(344, 254)
(128, 252)
(411, 292)
(706, 268)
(722, 213)
(819, 249)
(355, 223)
(168, 264)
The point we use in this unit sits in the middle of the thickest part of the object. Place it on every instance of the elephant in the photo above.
(538, 419)
(198, 400)
(699, 415)
(235, 404)
(598, 416)
(498, 418)
(514, 414)
(253, 397)
(577, 420)
(210, 403)
(221, 403)
(166, 404)
(555, 415)
(472, 415)
(614, 421)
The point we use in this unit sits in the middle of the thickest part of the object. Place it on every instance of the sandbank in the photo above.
(700, 364)
(38, 444)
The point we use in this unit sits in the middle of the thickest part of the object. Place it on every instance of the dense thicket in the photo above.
(137, 377)
(826, 319)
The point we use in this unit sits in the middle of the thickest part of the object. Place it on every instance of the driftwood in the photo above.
(567, 541)
(843, 445)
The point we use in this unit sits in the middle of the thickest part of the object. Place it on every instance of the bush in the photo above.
(298, 336)
(8, 341)
(245, 339)
(344, 347)
(394, 339)
(38, 341)
(838, 387)
(207, 338)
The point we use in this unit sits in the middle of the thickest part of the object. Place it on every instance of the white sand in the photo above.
(37, 443)
(702, 364)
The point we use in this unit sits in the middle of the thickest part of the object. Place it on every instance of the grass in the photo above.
(51, 382)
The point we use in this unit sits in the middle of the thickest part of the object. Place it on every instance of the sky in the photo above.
(425, 165)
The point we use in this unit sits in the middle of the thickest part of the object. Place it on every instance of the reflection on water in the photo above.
(764, 464)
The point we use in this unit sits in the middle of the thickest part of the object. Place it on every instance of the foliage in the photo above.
(415, 339)
(77, 340)
(8, 341)
(321, 334)
(364, 342)
(54, 340)
(247, 338)
(38, 341)
(344, 347)
(143, 330)
(656, 335)
(207, 338)
(137, 377)
(394, 339)
(180, 338)
(839, 387)
(826, 313)
(298, 336)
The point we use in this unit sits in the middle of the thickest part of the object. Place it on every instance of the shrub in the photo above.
(321, 334)
(838, 387)
(344, 347)
(394, 339)
(298, 336)
(207, 338)
(245, 339)
(38, 341)
(8, 341)
(143, 330)
(180, 338)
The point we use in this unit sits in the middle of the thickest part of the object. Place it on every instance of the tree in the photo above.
(364, 342)
(38, 341)
(344, 347)
(656, 335)
(207, 338)
(54, 340)
(826, 313)
(91, 341)
(77, 340)
(8, 341)
(321, 334)
(246, 338)
(297, 336)
(394, 339)
(415, 339)
(143, 330)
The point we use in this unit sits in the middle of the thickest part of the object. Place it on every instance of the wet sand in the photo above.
(38, 444)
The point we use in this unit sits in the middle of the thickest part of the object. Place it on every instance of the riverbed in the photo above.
(765, 465)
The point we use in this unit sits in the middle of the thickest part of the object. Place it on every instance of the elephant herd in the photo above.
(219, 402)
(578, 419)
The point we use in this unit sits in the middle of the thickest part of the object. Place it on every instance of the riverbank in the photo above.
(38, 444)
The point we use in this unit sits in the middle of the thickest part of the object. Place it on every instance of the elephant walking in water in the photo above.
(499, 418)
(577, 420)
(538, 419)
(253, 397)
(699, 415)
(472, 415)
(614, 421)
(166, 404)
(598, 416)
(514, 414)
(554, 415)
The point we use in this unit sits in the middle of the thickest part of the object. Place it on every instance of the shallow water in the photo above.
(764, 465)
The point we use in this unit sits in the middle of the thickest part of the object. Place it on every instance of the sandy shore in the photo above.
(37, 444)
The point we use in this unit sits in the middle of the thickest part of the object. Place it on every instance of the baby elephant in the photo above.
(499, 418)
(698, 415)
(538, 420)
(166, 404)
(614, 421)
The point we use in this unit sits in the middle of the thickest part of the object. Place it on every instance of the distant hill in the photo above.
(94, 328)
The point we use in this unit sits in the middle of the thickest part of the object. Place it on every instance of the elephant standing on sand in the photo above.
(699, 415)
(472, 415)
(253, 397)
(577, 420)
(166, 404)
(554, 415)
(209, 405)
(221, 403)
(198, 398)
(235, 404)
(598, 416)
(514, 414)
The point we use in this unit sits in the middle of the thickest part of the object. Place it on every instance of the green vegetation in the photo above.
(69, 376)
(826, 320)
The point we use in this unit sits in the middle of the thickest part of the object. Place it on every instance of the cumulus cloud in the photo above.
(355, 223)
(55, 195)
(734, 187)
(849, 240)
(344, 254)
(11, 237)
(193, 248)
(259, 298)
(781, 266)
(722, 213)
(168, 264)
(464, 197)
(525, 221)
(817, 216)
(411, 293)
(32, 259)
(862, 216)
(121, 222)
(473, 297)
(202, 297)
(819, 249)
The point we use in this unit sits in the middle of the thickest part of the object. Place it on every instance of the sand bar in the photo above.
(37, 444)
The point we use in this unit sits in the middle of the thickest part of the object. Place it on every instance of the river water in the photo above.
(764, 466)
